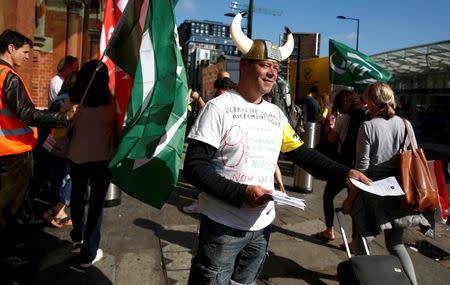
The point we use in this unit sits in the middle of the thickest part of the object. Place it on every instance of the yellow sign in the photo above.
(313, 72)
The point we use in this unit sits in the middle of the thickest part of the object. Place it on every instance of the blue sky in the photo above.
(384, 24)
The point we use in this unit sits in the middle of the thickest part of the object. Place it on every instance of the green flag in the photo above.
(351, 68)
(145, 45)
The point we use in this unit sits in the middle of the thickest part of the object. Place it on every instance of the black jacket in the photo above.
(16, 99)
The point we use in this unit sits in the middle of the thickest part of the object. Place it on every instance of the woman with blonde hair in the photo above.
(378, 142)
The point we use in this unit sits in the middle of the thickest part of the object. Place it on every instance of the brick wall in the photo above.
(37, 72)
(43, 70)
(209, 75)
(22, 21)
(44, 63)
(20, 16)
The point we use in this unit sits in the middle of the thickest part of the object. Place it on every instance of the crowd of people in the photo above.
(234, 144)
(76, 140)
(224, 147)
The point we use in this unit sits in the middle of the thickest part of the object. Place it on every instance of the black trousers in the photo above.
(332, 188)
(15, 173)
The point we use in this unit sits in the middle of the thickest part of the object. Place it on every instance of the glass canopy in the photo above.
(434, 57)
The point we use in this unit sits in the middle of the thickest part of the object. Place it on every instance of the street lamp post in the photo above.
(249, 18)
(357, 27)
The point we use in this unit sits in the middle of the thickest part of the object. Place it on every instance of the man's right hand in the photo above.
(256, 196)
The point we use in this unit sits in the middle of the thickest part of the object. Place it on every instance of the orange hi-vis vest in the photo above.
(15, 136)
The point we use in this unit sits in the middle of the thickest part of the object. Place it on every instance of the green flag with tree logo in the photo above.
(351, 68)
(145, 45)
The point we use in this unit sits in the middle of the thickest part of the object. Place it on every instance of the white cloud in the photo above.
(188, 5)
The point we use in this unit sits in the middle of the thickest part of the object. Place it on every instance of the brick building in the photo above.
(57, 28)
(203, 41)
(209, 72)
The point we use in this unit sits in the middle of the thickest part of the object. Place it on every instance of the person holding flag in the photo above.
(231, 157)
(91, 148)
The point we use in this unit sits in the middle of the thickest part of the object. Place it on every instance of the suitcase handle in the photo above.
(344, 236)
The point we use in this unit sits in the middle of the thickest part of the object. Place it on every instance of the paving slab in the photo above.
(144, 245)
(144, 266)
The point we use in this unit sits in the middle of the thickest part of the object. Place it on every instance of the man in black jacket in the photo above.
(17, 114)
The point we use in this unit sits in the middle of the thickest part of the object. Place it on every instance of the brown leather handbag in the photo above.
(415, 178)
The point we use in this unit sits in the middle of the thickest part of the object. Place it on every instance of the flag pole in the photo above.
(89, 86)
(115, 10)
(92, 78)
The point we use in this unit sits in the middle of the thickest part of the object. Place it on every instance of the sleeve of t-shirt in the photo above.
(290, 140)
(198, 171)
(55, 86)
(208, 126)
(362, 155)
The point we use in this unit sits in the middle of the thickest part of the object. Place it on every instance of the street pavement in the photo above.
(144, 245)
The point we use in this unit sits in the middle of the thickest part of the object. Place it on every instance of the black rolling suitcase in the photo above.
(369, 269)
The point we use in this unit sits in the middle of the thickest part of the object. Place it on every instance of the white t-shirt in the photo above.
(248, 138)
(53, 90)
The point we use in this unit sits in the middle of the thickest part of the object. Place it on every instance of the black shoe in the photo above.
(15, 261)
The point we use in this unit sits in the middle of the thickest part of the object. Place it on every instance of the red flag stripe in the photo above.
(119, 82)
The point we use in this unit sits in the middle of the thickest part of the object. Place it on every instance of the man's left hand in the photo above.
(195, 96)
(73, 112)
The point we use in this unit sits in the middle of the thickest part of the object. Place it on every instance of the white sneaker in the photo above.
(98, 256)
(192, 208)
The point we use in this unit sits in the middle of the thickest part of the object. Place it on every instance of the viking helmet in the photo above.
(259, 49)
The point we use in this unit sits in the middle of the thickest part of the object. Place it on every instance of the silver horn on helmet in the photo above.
(259, 49)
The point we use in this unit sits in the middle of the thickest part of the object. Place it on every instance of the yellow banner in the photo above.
(313, 72)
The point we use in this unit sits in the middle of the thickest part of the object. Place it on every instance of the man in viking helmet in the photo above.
(232, 155)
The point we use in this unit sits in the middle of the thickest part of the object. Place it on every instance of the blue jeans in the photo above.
(228, 255)
(60, 186)
(99, 177)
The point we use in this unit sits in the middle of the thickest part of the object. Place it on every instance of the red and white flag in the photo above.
(120, 82)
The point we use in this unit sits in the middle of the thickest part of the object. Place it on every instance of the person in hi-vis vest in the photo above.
(17, 115)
